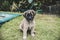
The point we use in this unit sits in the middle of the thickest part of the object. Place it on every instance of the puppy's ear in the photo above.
(34, 13)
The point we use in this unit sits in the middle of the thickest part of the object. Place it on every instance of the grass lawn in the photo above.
(47, 28)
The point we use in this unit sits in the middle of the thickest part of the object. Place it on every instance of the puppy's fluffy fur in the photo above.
(28, 23)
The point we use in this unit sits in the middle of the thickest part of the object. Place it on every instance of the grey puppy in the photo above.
(28, 23)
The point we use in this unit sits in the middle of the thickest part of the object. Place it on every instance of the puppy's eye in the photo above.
(27, 14)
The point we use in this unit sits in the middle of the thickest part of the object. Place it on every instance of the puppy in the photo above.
(28, 23)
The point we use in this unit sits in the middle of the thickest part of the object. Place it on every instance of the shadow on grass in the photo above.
(1, 37)
(58, 36)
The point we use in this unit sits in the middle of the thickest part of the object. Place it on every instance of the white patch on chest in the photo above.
(30, 25)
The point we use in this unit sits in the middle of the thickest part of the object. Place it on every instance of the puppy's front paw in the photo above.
(24, 38)
(33, 35)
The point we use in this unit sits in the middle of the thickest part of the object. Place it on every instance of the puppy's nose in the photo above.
(29, 17)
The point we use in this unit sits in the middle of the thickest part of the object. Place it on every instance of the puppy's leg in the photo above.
(21, 27)
(24, 33)
(32, 32)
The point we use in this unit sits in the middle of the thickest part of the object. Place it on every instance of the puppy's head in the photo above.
(29, 14)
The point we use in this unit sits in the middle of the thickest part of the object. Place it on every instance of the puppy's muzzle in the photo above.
(29, 17)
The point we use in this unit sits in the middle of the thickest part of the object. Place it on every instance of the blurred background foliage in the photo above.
(22, 5)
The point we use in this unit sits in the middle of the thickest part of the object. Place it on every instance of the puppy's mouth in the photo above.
(30, 18)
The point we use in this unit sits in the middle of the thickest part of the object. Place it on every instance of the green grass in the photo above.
(47, 28)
